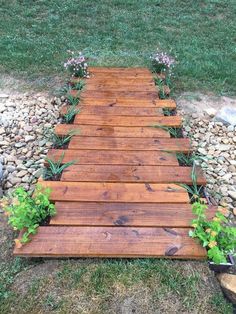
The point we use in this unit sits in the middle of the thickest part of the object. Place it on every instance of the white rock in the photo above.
(232, 194)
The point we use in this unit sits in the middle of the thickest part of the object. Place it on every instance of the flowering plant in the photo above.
(26, 213)
(218, 237)
(162, 62)
(76, 65)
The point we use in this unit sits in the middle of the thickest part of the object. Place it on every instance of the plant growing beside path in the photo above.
(215, 234)
(25, 213)
(55, 167)
(77, 65)
(70, 114)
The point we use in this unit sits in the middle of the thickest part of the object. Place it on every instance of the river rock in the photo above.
(228, 284)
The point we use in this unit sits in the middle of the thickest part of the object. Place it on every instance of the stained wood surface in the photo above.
(116, 192)
(123, 102)
(122, 197)
(111, 143)
(71, 241)
(116, 111)
(133, 94)
(128, 121)
(111, 157)
(148, 174)
(113, 131)
(125, 214)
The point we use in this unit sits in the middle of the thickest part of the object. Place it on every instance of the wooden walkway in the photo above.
(120, 198)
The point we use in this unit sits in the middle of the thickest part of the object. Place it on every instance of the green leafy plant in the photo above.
(162, 62)
(77, 85)
(77, 65)
(62, 141)
(169, 112)
(55, 167)
(70, 114)
(194, 189)
(190, 158)
(214, 234)
(70, 86)
(73, 100)
(163, 90)
(174, 132)
(26, 213)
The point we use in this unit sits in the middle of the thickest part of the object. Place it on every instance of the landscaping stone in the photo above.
(23, 121)
(227, 115)
(228, 284)
(215, 141)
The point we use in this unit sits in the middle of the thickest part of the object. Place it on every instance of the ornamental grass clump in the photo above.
(162, 62)
(77, 65)
(25, 212)
(214, 234)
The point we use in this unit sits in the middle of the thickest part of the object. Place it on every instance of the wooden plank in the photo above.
(122, 102)
(116, 110)
(116, 131)
(115, 94)
(106, 157)
(122, 173)
(112, 242)
(129, 87)
(121, 81)
(125, 214)
(119, 70)
(116, 192)
(128, 121)
(112, 143)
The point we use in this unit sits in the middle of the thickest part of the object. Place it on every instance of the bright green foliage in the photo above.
(73, 100)
(77, 85)
(174, 132)
(169, 112)
(26, 212)
(55, 168)
(190, 158)
(164, 86)
(214, 234)
(60, 141)
(194, 189)
(72, 85)
(69, 116)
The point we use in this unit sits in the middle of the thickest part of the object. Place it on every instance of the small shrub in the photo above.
(190, 158)
(77, 65)
(164, 87)
(73, 100)
(195, 191)
(69, 116)
(62, 141)
(162, 62)
(54, 170)
(215, 235)
(27, 212)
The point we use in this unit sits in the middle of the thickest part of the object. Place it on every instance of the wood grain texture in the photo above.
(113, 131)
(123, 102)
(133, 94)
(125, 214)
(112, 143)
(112, 242)
(116, 111)
(106, 157)
(128, 121)
(116, 192)
(115, 173)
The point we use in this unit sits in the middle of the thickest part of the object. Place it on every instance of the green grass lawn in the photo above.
(35, 36)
